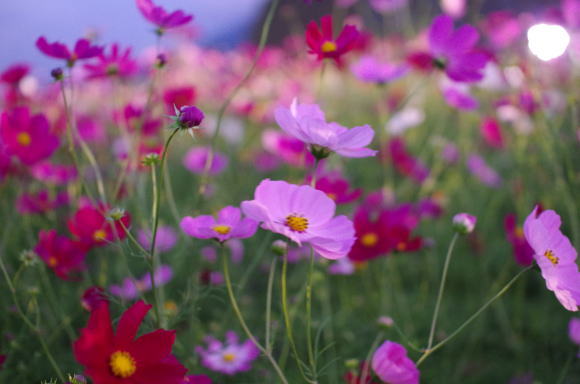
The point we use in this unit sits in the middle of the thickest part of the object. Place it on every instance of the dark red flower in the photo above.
(118, 358)
(14, 74)
(90, 226)
(523, 253)
(178, 97)
(62, 255)
(371, 237)
(322, 43)
(404, 162)
(93, 297)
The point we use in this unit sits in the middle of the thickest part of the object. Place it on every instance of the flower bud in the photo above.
(280, 247)
(150, 159)
(57, 74)
(190, 117)
(464, 223)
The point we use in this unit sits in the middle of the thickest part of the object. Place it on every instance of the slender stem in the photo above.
(311, 359)
(269, 304)
(366, 366)
(441, 290)
(240, 317)
(472, 317)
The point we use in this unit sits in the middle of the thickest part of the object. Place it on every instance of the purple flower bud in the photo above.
(57, 74)
(190, 117)
(464, 223)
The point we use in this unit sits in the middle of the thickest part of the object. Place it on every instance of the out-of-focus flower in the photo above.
(82, 50)
(14, 74)
(388, 6)
(370, 70)
(342, 266)
(574, 331)
(484, 173)
(178, 97)
(404, 162)
(336, 187)
(41, 202)
(93, 297)
(464, 223)
(404, 119)
(490, 131)
(26, 137)
(117, 63)
(303, 214)
(131, 288)
(64, 256)
(322, 43)
(307, 123)
(502, 28)
(523, 253)
(55, 174)
(118, 357)
(454, 8)
(160, 17)
(555, 256)
(289, 149)
(196, 158)
(391, 364)
(165, 239)
(230, 357)
(90, 226)
(229, 225)
(458, 96)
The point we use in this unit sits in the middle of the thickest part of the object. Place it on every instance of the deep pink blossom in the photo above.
(93, 297)
(303, 214)
(26, 137)
(490, 131)
(322, 43)
(523, 253)
(40, 202)
(90, 226)
(160, 17)
(370, 70)
(13, 74)
(82, 50)
(404, 162)
(131, 288)
(229, 225)
(230, 357)
(55, 174)
(336, 187)
(289, 149)
(117, 63)
(574, 331)
(555, 256)
(196, 158)
(502, 28)
(64, 256)
(392, 365)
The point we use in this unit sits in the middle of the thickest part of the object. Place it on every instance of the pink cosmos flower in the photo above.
(388, 6)
(178, 97)
(404, 162)
(90, 226)
(336, 187)
(64, 256)
(491, 132)
(26, 137)
(165, 239)
(391, 364)
(55, 174)
(307, 123)
(195, 159)
(574, 331)
(480, 169)
(370, 70)
(41, 202)
(289, 149)
(160, 17)
(131, 288)
(229, 225)
(458, 96)
(81, 51)
(502, 28)
(322, 43)
(523, 253)
(464, 223)
(303, 214)
(555, 256)
(230, 357)
(117, 63)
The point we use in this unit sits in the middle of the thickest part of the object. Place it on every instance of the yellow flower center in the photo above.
(550, 256)
(99, 235)
(122, 364)
(52, 261)
(332, 196)
(297, 223)
(401, 246)
(519, 232)
(328, 46)
(369, 240)
(222, 229)
(228, 357)
(24, 139)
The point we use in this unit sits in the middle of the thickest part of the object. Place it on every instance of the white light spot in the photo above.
(547, 41)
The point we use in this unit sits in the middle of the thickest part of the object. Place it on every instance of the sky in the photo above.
(221, 23)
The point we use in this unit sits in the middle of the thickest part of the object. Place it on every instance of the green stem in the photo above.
(311, 359)
(441, 290)
(472, 317)
(240, 317)
(269, 304)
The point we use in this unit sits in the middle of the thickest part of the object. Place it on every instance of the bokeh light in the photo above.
(548, 41)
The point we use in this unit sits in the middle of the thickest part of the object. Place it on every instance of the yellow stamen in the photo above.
(332, 196)
(24, 139)
(52, 261)
(228, 357)
(401, 246)
(122, 364)
(550, 256)
(369, 240)
(222, 229)
(297, 223)
(99, 235)
(328, 47)
(519, 232)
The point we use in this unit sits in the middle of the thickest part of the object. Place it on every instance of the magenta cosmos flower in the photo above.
(82, 50)
(303, 214)
(195, 160)
(160, 17)
(322, 43)
(117, 63)
(391, 364)
(307, 123)
(370, 70)
(555, 256)
(453, 51)
(165, 239)
(64, 256)
(574, 331)
(229, 225)
(230, 357)
(130, 288)
(27, 137)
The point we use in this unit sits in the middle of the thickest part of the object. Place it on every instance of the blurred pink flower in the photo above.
(160, 17)
(165, 239)
(229, 225)
(195, 160)
(391, 364)
(388, 6)
(480, 169)
(230, 357)
(117, 63)
(491, 132)
(370, 70)
(523, 253)
(64, 256)
(574, 331)
(322, 43)
(82, 50)
(41, 202)
(131, 289)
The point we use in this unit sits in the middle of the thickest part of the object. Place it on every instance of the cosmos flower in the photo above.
(370, 70)
(40, 202)
(178, 97)
(120, 358)
(289, 149)
(64, 256)
(303, 214)
(388, 6)
(523, 253)
(482, 171)
(490, 131)
(93, 297)
(371, 237)
(404, 162)
(117, 63)
(391, 364)
(307, 123)
(81, 51)
(322, 43)
(574, 331)
(555, 256)
(165, 239)
(229, 225)
(160, 17)
(14, 74)
(230, 357)
(55, 174)
(90, 226)
(130, 288)
(195, 160)
(458, 96)
(26, 137)
(464, 223)
(336, 187)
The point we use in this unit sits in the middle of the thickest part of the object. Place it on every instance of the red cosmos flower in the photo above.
(404, 162)
(119, 358)
(523, 253)
(371, 237)
(321, 42)
(92, 229)
(62, 255)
